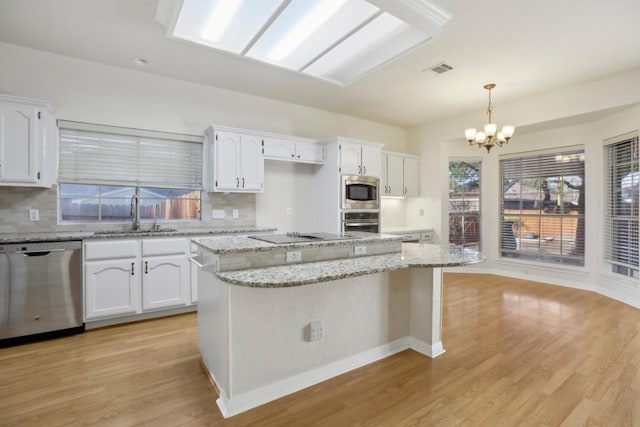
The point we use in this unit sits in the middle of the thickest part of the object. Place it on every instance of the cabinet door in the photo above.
(350, 156)
(193, 279)
(165, 282)
(111, 288)
(384, 185)
(370, 161)
(226, 152)
(394, 175)
(19, 134)
(411, 177)
(309, 152)
(251, 164)
(282, 149)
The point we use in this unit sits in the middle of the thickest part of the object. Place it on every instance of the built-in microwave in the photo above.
(360, 192)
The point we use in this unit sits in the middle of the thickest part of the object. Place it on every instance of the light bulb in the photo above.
(470, 134)
(480, 137)
(507, 131)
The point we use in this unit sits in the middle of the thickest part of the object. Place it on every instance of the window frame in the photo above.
(537, 166)
(466, 243)
(143, 145)
(613, 210)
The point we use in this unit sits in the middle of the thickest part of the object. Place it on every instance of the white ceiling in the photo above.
(526, 47)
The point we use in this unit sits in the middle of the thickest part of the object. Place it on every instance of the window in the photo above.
(622, 195)
(464, 203)
(102, 168)
(542, 206)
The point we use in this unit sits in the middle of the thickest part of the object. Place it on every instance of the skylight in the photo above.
(335, 40)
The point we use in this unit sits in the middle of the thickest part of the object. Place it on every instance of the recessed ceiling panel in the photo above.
(381, 41)
(335, 40)
(307, 28)
(229, 25)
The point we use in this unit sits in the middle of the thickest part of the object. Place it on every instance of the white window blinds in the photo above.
(542, 206)
(95, 154)
(622, 195)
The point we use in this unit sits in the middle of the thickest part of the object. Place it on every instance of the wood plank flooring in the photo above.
(519, 353)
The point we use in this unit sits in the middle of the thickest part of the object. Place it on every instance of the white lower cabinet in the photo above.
(127, 277)
(111, 288)
(165, 282)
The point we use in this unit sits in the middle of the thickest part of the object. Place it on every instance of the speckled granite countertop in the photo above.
(413, 255)
(7, 238)
(238, 244)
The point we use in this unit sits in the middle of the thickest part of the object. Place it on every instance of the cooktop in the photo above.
(301, 237)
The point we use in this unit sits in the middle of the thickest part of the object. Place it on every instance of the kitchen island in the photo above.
(256, 312)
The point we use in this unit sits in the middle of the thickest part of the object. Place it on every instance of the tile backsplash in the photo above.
(15, 203)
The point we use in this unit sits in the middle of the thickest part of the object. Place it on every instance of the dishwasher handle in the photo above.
(39, 253)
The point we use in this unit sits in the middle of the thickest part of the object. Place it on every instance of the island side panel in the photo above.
(269, 327)
(213, 326)
(425, 310)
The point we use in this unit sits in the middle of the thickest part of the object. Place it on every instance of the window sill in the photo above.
(582, 271)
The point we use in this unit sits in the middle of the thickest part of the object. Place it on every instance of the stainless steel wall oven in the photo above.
(367, 221)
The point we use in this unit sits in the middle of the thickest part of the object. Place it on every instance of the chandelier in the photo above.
(491, 136)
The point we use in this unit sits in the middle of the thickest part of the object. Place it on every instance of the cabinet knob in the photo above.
(132, 268)
(242, 182)
(146, 267)
(293, 155)
(237, 182)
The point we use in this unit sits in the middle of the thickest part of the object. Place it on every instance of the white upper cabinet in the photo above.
(392, 182)
(359, 158)
(28, 146)
(411, 177)
(293, 150)
(234, 162)
(401, 175)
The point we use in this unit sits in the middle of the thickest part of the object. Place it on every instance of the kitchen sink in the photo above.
(162, 230)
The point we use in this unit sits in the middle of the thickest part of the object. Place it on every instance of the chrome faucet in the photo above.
(156, 211)
(135, 211)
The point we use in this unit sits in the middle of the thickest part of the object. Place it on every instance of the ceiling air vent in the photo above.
(440, 68)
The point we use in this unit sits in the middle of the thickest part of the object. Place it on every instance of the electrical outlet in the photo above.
(359, 250)
(34, 215)
(421, 212)
(294, 256)
(235, 214)
(288, 212)
(315, 331)
(218, 214)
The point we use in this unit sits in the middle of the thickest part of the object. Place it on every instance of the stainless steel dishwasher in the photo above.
(40, 290)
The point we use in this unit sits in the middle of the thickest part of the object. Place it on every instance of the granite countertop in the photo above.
(238, 244)
(6, 238)
(413, 255)
(400, 230)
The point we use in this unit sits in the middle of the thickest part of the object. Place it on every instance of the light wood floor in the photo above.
(519, 353)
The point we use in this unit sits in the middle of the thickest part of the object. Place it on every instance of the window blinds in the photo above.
(542, 206)
(94, 154)
(622, 195)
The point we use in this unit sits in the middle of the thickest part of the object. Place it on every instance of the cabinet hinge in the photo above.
(39, 115)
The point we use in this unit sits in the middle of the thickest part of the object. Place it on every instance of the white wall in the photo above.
(585, 114)
(96, 93)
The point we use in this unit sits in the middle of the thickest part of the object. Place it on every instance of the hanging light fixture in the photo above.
(491, 136)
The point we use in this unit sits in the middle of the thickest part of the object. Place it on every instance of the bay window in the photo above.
(542, 216)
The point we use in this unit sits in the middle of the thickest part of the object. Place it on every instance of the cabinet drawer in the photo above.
(110, 250)
(411, 237)
(173, 246)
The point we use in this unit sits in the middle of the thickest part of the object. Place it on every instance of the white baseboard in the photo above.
(422, 347)
(230, 406)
